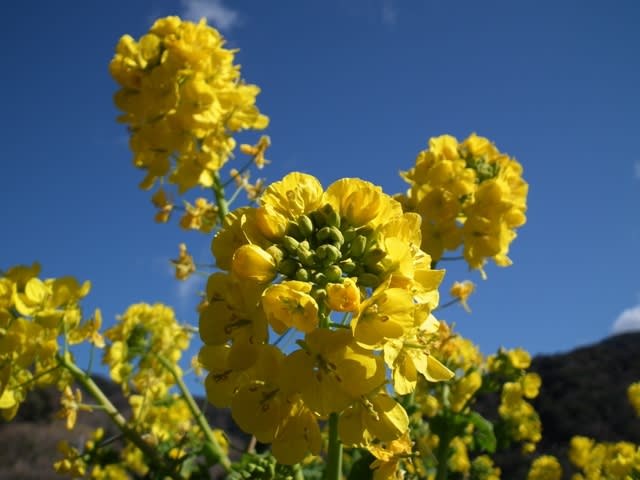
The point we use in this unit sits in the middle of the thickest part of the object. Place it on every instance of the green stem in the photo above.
(221, 202)
(214, 450)
(442, 455)
(334, 460)
(116, 417)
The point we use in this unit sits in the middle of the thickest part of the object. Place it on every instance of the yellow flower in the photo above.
(331, 371)
(182, 98)
(462, 291)
(289, 304)
(298, 436)
(375, 416)
(257, 151)
(70, 405)
(184, 263)
(633, 394)
(343, 297)
(388, 459)
(545, 467)
(388, 313)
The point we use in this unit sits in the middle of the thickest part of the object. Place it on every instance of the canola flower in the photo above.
(343, 268)
(182, 99)
(468, 194)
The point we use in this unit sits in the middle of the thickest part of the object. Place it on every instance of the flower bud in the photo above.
(276, 252)
(368, 280)
(290, 244)
(333, 273)
(328, 253)
(302, 275)
(305, 225)
(358, 245)
(253, 263)
(323, 234)
(288, 267)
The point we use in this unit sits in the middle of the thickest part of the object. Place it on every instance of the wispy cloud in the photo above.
(389, 13)
(628, 321)
(636, 169)
(218, 14)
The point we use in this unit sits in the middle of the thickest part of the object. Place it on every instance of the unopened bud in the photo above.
(368, 280)
(329, 253)
(323, 234)
(373, 256)
(320, 278)
(305, 225)
(276, 252)
(358, 245)
(302, 275)
(333, 273)
(336, 237)
(288, 267)
(290, 244)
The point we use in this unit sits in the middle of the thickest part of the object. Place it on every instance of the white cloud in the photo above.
(628, 321)
(636, 169)
(389, 13)
(214, 11)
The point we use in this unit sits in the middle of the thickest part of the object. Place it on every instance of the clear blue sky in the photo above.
(353, 88)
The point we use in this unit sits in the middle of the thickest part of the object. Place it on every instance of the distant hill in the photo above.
(583, 393)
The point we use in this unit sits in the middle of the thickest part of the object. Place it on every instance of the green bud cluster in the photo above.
(484, 170)
(321, 248)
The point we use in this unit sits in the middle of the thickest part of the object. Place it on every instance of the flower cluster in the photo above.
(611, 461)
(142, 341)
(545, 467)
(468, 194)
(182, 98)
(34, 313)
(342, 268)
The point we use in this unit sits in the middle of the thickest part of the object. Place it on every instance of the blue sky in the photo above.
(353, 89)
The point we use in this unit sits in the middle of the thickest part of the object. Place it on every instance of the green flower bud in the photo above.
(347, 266)
(357, 246)
(319, 294)
(305, 225)
(349, 234)
(288, 267)
(302, 275)
(276, 252)
(290, 244)
(331, 216)
(333, 274)
(318, 219)
(320, 278)
(306, 256)
(329, 253)
(336, 237)
(324, 234)
(373, 256)
(294, 231)
(368, 280)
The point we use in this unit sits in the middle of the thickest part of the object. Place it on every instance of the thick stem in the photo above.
(442, 453)
(334, 460)
(213, 447)
(116, 417)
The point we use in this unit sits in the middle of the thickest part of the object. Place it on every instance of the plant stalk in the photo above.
(334, 460)
(213, 447)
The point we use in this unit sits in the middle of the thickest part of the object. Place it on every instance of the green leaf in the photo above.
(483, 434)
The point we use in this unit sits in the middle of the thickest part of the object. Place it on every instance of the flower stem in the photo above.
(213, 448)
(221, 202)
(116, 417)
(334, 461)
